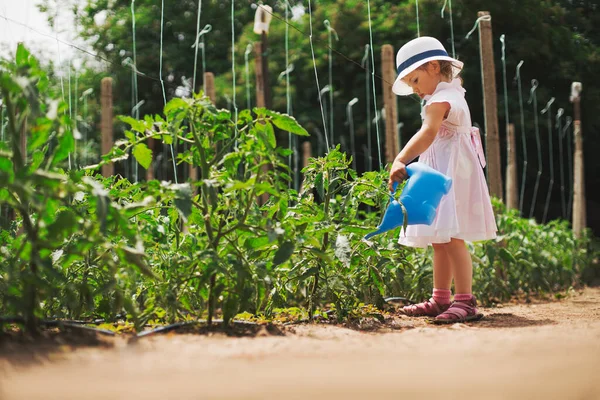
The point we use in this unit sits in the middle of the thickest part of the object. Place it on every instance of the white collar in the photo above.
(455, 84)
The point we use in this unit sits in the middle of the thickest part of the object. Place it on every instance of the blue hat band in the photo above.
(419, 57)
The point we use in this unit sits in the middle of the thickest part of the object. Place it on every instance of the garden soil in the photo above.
(543, 350)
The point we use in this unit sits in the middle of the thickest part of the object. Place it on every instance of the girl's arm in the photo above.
(419, 142)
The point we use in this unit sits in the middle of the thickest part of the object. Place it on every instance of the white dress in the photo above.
(466, 211)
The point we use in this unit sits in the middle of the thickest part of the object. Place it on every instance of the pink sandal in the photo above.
(429, 308)
(459, 311)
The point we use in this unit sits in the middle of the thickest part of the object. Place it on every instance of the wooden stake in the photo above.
(488, 72)
(512, 196)
(107, 123)
(261, 100)
(265, 71)
(209, 84)
(391, 110)
(150, 170)
(579, 202)
(306, 155)
(262, 90)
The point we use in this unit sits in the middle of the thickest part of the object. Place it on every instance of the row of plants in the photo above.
(80, 246)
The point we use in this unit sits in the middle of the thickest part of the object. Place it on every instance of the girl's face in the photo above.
(424, 79)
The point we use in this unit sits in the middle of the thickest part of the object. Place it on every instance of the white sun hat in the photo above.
(416, 53)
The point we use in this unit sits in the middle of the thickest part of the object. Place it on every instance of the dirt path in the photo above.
(543, 351)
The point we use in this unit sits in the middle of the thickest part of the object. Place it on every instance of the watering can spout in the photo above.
(393, 218)
(421, 197)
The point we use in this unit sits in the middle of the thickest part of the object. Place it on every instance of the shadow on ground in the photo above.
(508, 320)
(22, 350)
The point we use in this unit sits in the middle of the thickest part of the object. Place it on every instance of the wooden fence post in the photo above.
(261, 71)
(488, 73)
(512, 196)
(209, 86)
(306, 155)
(391, 109)
(579, 203)
(106, 99)
(258, 71)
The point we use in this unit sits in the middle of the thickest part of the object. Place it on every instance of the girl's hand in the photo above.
(397, 174)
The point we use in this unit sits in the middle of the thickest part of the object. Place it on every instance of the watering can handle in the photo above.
(395, 184)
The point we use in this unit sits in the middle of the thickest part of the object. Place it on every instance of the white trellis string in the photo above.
(199, 13)
(312, 49)
(290, 67)
(292, 140)
(199, 44)
(330, 33)
(367, 66)
(2, 125)
(373, 81)
(449, 3)
(533, 99)
(559, 115)
(506, 117)
(84, 96)
(71, 116)
(76, 90)
(548, 110)
(136, 101)
(482, 18)
(418, 26)
(162, 83)
(326, 89)
(62, 84)
(247, 71)
(235, 118)
(523, 138)
(349, 106)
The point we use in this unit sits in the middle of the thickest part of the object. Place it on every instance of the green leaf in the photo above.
(319, 185)
(39, 134)
(507, 256)
(183, 199)
(267, 134)
(36, 160)
(377, 280)
(7, 174)
(66, 144)
(22, 57)
(136, 125)
(257, 243)
(143, 155)
(136, 258)
(64, 225)
(313, 271)
(130, 136)
(284, 252)
(176, 104)
(491, 253)
(286, 123)
(230, 307)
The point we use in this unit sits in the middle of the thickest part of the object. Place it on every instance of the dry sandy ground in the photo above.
(542, 351)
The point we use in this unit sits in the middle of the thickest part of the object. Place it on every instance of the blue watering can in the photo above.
(421, 196)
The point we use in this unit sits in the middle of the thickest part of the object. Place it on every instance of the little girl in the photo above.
(448, 143)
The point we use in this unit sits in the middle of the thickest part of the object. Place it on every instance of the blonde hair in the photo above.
(446, 69)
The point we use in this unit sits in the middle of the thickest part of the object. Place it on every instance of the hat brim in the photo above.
(401, 88)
